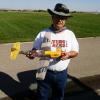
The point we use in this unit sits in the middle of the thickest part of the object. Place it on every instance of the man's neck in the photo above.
(57, 30)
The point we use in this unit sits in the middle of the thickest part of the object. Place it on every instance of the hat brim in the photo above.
(52, 12)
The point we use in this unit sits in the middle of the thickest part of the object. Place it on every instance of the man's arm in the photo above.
(68, 55)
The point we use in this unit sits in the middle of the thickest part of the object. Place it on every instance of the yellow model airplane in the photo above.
(15, 50)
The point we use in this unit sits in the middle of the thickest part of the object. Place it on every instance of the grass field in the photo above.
(24, 26)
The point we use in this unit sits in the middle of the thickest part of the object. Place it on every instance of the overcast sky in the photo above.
(77, 5)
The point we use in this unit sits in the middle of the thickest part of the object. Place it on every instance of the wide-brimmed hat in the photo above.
(60, 10)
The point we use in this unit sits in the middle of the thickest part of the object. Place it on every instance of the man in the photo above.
(57, 36)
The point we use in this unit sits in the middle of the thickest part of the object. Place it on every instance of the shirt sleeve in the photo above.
(75, 44)
(38, 41)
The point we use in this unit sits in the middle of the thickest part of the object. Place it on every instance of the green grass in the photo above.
(85, 24)
(24, 26)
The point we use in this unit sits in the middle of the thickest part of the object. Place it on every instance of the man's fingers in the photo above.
(64, 56)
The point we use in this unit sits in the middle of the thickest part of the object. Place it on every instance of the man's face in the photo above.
(58, 22)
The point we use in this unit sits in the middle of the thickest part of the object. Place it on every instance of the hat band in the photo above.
(62, 10)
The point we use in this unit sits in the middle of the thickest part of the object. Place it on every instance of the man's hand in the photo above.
(68, 55)
(64, 55)
(31, 54)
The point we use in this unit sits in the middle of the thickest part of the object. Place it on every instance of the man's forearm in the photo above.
(72, 54)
